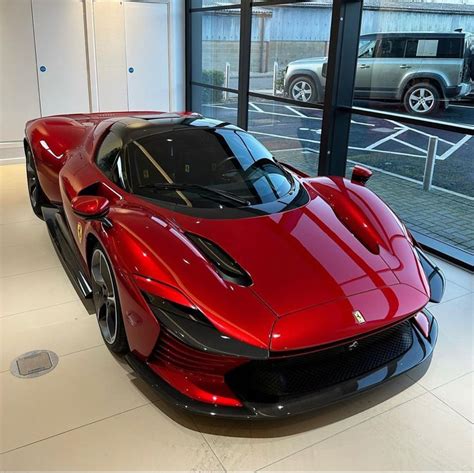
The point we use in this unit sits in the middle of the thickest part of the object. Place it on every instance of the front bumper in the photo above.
(419, 354)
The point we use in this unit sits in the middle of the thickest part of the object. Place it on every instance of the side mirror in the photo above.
(360, 175)
(90, 207)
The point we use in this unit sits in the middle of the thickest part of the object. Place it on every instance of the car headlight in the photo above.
(188, 324)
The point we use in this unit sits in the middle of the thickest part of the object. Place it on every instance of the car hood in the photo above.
(309, 60)
(311, 268)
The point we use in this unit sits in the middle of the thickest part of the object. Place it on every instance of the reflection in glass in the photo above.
(397, 155)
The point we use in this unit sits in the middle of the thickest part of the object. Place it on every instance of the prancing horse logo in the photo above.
(359, 318)
(79, 231)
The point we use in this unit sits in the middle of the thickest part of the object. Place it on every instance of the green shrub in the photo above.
(213, 77)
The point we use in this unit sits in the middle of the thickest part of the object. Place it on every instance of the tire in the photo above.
(37, 197)
(422, 99)
(107, 303)
(303, 89)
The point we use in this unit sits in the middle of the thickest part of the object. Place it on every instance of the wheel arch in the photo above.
(91, 242)
(433, 79)
(308, 73)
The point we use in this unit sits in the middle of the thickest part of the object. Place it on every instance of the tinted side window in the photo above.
(450, 48)
(412, 48)
(107, 155)
(391, 47)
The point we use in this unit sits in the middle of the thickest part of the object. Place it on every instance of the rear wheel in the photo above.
(37, 197)
(303, 89)
(422, 99)
(106, 302)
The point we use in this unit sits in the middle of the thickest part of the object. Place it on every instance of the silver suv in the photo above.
(421, 70)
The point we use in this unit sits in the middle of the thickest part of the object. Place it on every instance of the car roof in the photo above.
(138, 126)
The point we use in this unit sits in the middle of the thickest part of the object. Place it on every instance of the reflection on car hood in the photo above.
(310, 265)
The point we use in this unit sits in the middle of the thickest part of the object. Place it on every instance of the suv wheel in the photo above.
(303, 89)
(422, 99)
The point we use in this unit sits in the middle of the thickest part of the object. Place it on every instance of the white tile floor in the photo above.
(91, 413)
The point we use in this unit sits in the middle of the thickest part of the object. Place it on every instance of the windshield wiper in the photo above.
(199, 189)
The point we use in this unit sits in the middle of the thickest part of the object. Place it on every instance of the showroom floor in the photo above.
(91, 413)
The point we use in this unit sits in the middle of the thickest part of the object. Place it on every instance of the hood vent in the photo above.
(226, 266)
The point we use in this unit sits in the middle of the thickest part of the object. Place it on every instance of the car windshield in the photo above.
(205, 167)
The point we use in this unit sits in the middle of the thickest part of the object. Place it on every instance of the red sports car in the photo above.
(236, 285)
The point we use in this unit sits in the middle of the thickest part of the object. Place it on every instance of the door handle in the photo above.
(364, 66)
(405, 66)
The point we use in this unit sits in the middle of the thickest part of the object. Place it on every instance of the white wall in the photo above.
(19, 97)
(105, 57)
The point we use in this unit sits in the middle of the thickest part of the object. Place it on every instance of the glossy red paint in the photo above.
(311, 267)
(162, 290)
(194, 373)
(360, 174)
(87, 206)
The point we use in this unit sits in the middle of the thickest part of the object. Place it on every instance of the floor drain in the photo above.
(34, 363)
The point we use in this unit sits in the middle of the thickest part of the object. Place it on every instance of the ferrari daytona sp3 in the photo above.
(235, 284)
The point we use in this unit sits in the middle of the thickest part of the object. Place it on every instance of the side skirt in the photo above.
(69, 255)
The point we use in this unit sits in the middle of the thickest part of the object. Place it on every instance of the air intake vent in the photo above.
(227, 268)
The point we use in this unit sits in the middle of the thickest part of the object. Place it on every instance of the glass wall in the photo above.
(417, 59)
(413, 96)
(290, 132)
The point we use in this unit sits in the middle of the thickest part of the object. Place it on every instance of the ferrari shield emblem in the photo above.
(359, 318)
(79, 231)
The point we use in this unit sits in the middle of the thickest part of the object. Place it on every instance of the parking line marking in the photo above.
(284, 137)
(386, 138)
(415, 130)
(291, 109)
(362, 123)
(455, 147)
(405, 143)
(350, 147)
(256, 107)
(397, 153)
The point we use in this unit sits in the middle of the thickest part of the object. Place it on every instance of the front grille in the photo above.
(277, 379)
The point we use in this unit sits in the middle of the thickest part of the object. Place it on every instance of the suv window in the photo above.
(391, 47)
(439, 48)
(367, 48)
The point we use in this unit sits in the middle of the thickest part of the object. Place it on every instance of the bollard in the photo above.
(226, 80)
(275, 77)
(430, 162)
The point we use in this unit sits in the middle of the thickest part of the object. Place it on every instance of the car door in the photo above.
(389, 66)
(365, 61)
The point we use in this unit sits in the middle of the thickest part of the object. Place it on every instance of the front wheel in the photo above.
(37, 197)
(303, 89)
(422, 99)
(106, 302)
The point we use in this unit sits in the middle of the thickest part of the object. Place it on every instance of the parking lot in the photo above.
(386, 145)
(396, 152)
